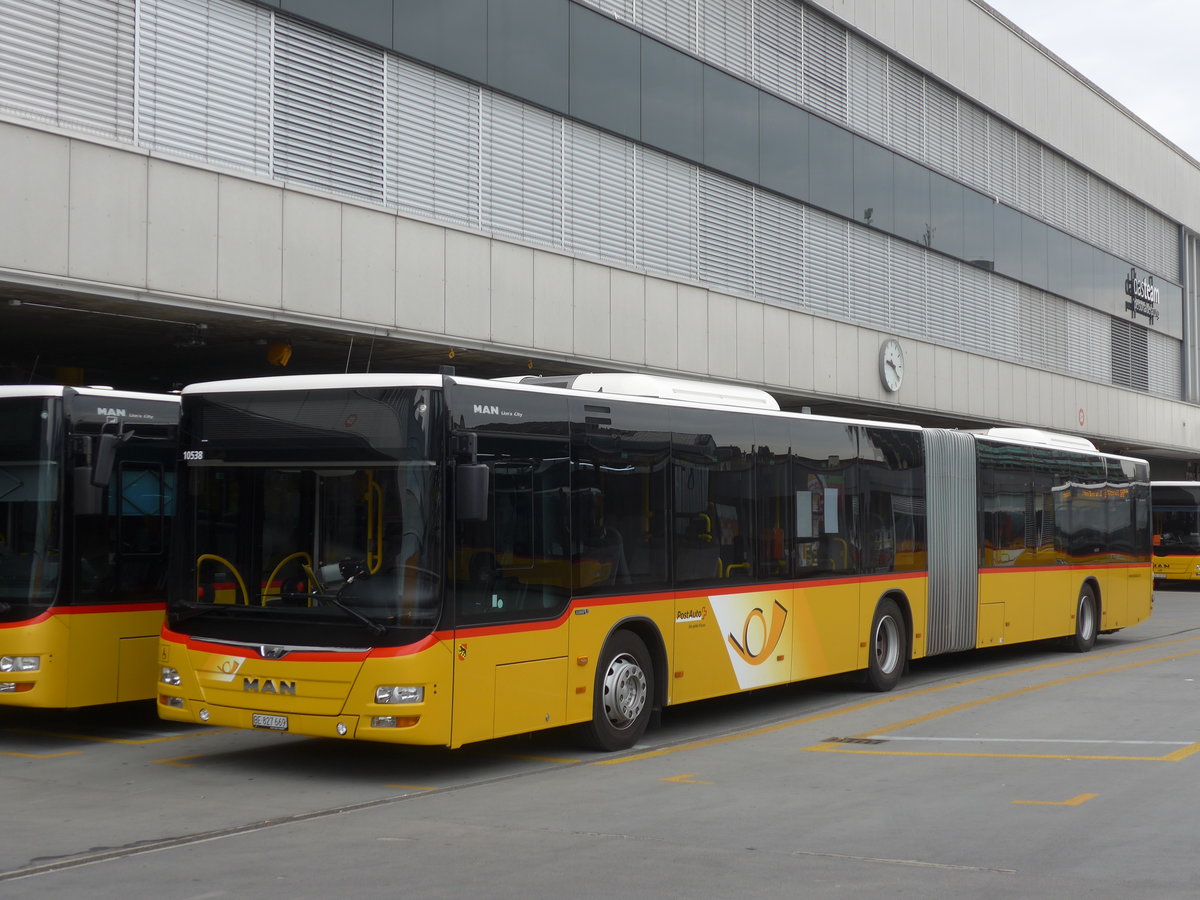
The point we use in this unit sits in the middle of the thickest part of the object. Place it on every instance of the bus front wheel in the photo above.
(887, 647)
(623, 695)
(1087, 622)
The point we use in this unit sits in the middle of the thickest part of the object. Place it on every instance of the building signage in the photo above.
(1143, 296)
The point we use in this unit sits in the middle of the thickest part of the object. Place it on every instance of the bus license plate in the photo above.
(275, 723)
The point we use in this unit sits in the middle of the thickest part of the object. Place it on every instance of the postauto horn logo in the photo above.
(756, 626)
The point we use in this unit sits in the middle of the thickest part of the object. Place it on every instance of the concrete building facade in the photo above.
(756, 191)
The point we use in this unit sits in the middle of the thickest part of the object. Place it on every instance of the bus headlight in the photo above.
(20, 663)
(169, 676)
(399, 693)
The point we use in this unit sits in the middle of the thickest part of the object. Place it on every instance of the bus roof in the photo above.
(313, 382)
(57, 390)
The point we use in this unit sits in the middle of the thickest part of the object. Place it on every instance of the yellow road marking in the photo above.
(1074, 801)
(1174, 756)
(40, 755)
(107, 740)
(890, 698)
(549, 759)
(690, 778)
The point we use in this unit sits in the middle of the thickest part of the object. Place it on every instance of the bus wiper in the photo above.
(322, 595)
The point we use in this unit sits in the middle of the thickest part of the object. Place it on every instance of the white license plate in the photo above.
(1159, 575)
(275, 723)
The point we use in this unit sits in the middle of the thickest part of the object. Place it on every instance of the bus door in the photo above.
(512, 578)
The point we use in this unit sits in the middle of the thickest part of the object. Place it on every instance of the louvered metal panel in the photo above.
(825, 71)
(433, 143)
(1055, 332)
(1165, 361)
(827, 258)
(1031, 316)
(70, 63)
(779, 49)
(328, 111)
(906, 105)
(868, 90)
(974, 296)
(910, 303)
(1163, 239)
(725, 35)
(671, 21)
(1130, 351)
(668, 198)
(871, 277)
(599, 209)
(944, 301)
(1099, 212)
(618, 9)
(522, 171)
(941, 129)
(1055, 209)
(974, 164)
(1087, 344)
(1029, 175)
(1002, 153)
(727, 248)
(951, 502)
(779, 226)
(1078, 204)
(29, 63)
(205, 81)
(1005, 304)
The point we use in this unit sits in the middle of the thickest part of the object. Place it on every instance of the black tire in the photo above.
(1087, 622)
(887, 647)
(622, 696)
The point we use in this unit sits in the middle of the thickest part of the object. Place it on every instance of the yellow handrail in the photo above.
(227, 564)
(374, 498)
(268, 591)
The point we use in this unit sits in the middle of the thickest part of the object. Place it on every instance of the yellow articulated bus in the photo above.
(1176, 510)
(439, 560)
(86, 497)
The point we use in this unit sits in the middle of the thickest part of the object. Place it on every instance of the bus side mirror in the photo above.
(471, 492)
(102, 461)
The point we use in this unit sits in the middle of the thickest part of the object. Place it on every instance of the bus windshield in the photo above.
(30, 490)
(1176, 519)
(329, 551)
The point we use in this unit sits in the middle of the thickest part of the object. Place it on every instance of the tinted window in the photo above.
(367, 19)
(450, 35)
(783, 147)
(606, 72)
(619, 490)
(712, 475)
(979, 243)
(946, 215)
(1083, 272)
(830, 167)
(914, 221)
(874, 180)
(892, 488)
(527, 50)
(1058, 252)
(774, 500)
(824, 457)
(730, 125)
(1034, 243)
(1008, 240)
(672, 101)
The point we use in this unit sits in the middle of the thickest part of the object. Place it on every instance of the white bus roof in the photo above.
(1039, 437)
(56, 390)
(636, 384)
(312, 382)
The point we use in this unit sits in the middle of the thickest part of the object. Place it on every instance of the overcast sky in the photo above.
(1142, 52)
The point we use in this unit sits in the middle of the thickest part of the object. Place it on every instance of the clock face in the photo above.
(891, 364)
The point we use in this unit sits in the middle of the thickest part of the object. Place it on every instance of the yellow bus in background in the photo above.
(86, 498)
(429, 559)
(1176, 506)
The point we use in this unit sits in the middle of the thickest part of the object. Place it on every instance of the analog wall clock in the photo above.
(891, 364)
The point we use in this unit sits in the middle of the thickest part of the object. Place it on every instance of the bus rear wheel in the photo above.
(623, 695)
(887, 647)
(1087, 622)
